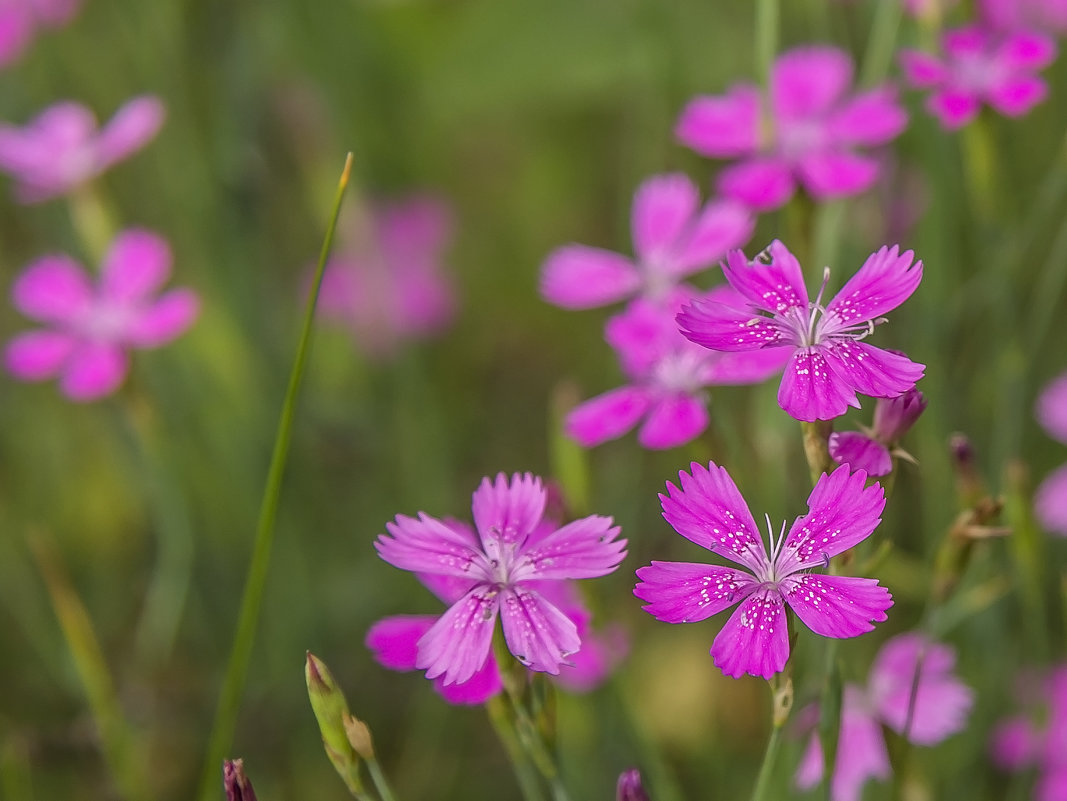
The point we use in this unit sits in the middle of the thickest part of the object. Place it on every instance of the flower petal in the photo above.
(673, 420)
(723, 126)
(762, 183)
(831, 174)
(709, 511)
(538, 634)
(837, 606)
(772, 281)
(165, 320)
(810, 390)
(479, 688)
(132, 127)
(684, 592)
(721, 226)
(1015, 743)
(807, 81)
(507, 511)
(394, 640)
(727, 328)
(860, 452)
(606, 416)
(1050, 502)
(1026, 51)
(870, 370)
(886, 279)
(922, 70)
(429, 546)
(581, 277)
(136, 265)
(457, 645)
(755, 639)
(861, 749)
(447, 588)
(953, 107)
(842, 513)
(1015, 96)
(93, 370)
(870, 118)
(584, 548)
(37, 355)
(663, 206)
(745, 367)
(53, 289)
(592, 663)
(1051, 408)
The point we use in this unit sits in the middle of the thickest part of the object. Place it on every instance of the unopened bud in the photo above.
(894, 416)
(629, 787)
(331, 711)
(234, 781)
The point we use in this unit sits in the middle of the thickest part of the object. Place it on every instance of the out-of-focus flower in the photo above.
(668, 376)
(673, 238)
(20, 19)
(90, 328)
(1041, 740)
(981, 66)
(1050, 500)
(62, 148)
(237, 786)
(926, 9)
(1027, 15)
(629, 787)
(709, 511)
(394, 642)
(830, 363)
(911, 689)
(806, 133)
(388, 284)
(870, 449)
(505, 564)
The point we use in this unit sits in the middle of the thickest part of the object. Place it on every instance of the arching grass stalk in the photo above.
(244, 636)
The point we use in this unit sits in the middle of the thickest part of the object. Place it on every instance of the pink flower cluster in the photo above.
(1039, 736)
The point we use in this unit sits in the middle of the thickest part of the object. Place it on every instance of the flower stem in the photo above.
(767, 766)
(244, 637)
(767, 24)
(497, 707)
(816, 436)
(381, 783)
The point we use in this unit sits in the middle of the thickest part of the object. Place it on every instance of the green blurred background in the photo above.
(536, 121)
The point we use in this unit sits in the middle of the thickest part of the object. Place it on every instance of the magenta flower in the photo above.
(709, 511)
(940, 708)
(830, 363)
(90, 328)
(389, 285)
(394, 641)
(1032, 15)
(808, 135)
(19, 20)
(61, 148)
(505, 563)
(869, 450)
(1050, 500)
(981, 66)
(1022, 741)
(673, 238)
(668, 376)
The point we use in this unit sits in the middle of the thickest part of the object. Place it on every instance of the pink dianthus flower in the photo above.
(673, 238)
(806, 133)
(937, 709)
(62, 148)
(1050, 500)
(870, 449)
(20, 19)
(830, 363)
(90, 328)
(709, 511)
(1033, 15)
(981, 66)
(388, 283)
(668, 376)
(505, 563)
(1039, 739)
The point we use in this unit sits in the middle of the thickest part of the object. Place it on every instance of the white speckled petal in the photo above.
(837, 606)
(755, 639)
(427, 545)
(684, 592)
(538, 634)
(458, 643)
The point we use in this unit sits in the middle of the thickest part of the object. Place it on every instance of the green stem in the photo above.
(93, 221)
(244, 637)
(497, 707)
(816, 436)
(767, 766)
(767, 24)
(380, 782)
(881, 45)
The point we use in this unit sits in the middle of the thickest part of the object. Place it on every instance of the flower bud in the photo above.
(629, 787)
(894, 416)
(335, 723)
(234, 781)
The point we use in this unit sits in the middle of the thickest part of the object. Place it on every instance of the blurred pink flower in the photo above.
(1033, 15)
(19, 20)
(806, 133)
(62, 148)
(870, 449)
(1039, 738)
(940, 708)
(673, 238)
(668, 375)
(981, 66)
(389, 285)
(90, 328)
(1050, 500)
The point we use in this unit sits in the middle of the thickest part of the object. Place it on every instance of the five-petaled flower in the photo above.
(709, 511)
(830, 363)
(673, 238)
(61, 148)
(511, 554)
(90, 328)
(981, 66)
(808, 135)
